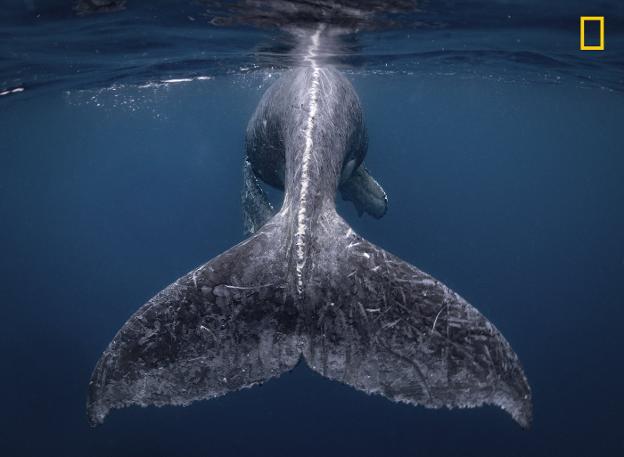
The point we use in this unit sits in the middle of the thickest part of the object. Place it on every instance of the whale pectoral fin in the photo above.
(257, 209)
(222, 327)
(388, 328)
(365, 192)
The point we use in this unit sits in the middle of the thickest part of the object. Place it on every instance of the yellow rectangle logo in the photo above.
(601, 45)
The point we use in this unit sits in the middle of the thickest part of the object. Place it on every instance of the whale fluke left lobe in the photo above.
(227, 325)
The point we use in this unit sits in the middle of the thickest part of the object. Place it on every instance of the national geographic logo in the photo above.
(594, 38)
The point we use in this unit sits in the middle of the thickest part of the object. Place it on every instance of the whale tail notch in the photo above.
(367, 319)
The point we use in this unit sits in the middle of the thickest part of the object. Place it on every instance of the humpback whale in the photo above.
(305, 287)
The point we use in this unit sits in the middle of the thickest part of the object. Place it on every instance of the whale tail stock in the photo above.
(365, 318)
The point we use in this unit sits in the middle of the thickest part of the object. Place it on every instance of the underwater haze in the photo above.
(498, 142)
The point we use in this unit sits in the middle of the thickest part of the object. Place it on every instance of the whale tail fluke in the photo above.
(365, 318)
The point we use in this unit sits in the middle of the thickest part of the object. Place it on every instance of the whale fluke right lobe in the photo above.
(387, 328)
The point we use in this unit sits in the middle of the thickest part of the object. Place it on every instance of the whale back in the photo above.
(276, 126)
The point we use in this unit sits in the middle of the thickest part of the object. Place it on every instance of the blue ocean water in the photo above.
(499, 145)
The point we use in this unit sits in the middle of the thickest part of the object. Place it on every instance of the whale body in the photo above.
(306, 287)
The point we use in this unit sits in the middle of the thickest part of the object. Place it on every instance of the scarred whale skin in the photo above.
(306, 287)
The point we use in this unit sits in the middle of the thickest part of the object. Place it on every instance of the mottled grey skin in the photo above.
(257, 209)
(363, 316)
